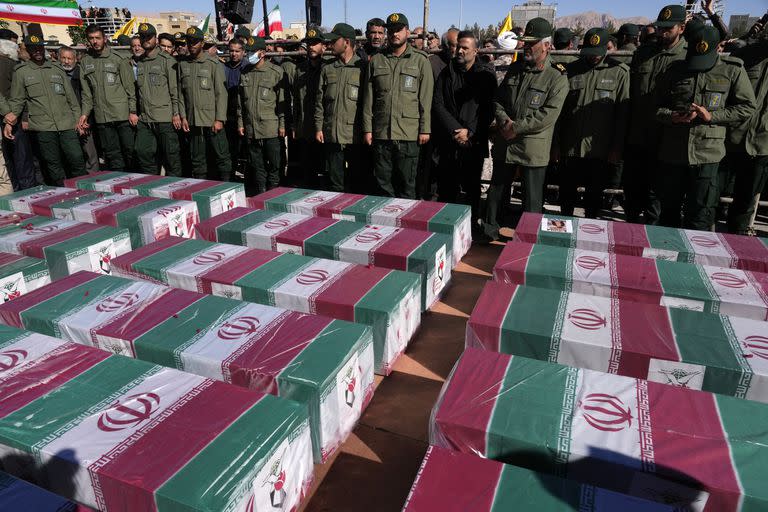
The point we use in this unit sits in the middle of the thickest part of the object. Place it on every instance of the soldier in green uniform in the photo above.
(627, 36)
(527, 104)
(157, 79)
(591, 128)
(696, 99)
(109, 92)
(43, 89)
(648, 62)
(180, 44)
(261, 117)
(203, 107)
(125, 42)
(303, 86)
(397, 110)
(748, 143)
(338, 109)
(562, 39)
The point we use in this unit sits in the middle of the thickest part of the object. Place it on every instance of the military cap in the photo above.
(179, 38)
(147, 30)
(396, 21)
(595, 41)
(702, 49)
(536, 30)
(194, 34)
(8, 34)
(242, 31)
(629, 29)
(341, 30)
(33, 40)
(123, 40)
(253, 44)
(314, 35)
(562, 36)
(670, 16)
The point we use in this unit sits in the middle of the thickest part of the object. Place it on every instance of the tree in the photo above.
(77, 34)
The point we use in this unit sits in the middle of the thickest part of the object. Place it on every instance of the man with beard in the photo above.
(463, 111)
(180, 44)
(232, 70)
(159, 106)
(376, 39)
(43, 89)
(527, 105)
(399, 92)
(203, 108)
(109, 96)
(439, 61)
(591, 128)
(68, 62)
(337, 110)
(166, 43)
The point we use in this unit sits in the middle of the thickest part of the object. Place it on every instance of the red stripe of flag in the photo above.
(108, 214)
(645, 330)
(43, 18)
(751, 252)
(487, 319)
(43, 205)
(235, 268)
(207, 229)
(36, 247)
(340, 298)
(420, 215)
(527, 229)
(629, 238)
(394, 252)
(127, 260)
(7, 258)
(512, 263)
(638, 279)
(128, 185)
(185, 194)
(259, 200)
(338, 204)
(301, 231)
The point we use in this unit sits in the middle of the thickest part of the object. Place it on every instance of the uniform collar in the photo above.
(338, 63)
(547, 62)
(104, 54)
(407, 53)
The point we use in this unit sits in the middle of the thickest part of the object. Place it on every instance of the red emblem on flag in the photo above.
(606, 412)
(590, 262)
(208, 258)
(757, 346)
(592, 229)
(9, 7)
(704, 241)
(104, 202)
(277, 224)
(586, 318)
(368, 237)
(728, 280)
(11, 358)
(131, 412)
(315, 199)
(168, 210)
(122, 301)
(393, 208)
(313, 277)
(44, 11)
(31, 230)
(238, 328)
(40, 195)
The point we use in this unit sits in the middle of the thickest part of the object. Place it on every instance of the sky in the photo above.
(443, 13)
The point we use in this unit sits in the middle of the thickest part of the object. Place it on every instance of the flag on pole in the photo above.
(508, 24)
(204, 24)
(275, 22)
(125, 30)
(52, 12)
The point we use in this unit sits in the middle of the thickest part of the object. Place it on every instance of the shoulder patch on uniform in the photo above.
(558, 66)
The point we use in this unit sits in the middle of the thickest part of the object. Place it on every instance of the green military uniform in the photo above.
(261, 112)
(158, 104)
(203, 102)
(562, 38)
(691, 152)
(338, 109)
(397, 108)
(748, 143)
(46, 93)
(123, 40)
(640, 165)
(109, 92)
(591, 129)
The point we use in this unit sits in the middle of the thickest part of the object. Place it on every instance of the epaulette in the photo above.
(19, 65)
(558, 66)
(421, 52)
(734, 61)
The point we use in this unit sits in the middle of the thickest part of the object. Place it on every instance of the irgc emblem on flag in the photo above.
(276, 478)
(11, 289)
(350, 381)
(105, 259)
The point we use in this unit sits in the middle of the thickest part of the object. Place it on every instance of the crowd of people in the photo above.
(105, 13)
(412, 117)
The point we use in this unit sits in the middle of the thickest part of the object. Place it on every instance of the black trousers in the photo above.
(460, 170)
(593, 174)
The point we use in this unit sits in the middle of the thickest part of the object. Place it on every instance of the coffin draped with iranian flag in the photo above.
(451, 481)
(446, 218)
(212, 197)
(664, 443)
(689, 246)
(123, 435)
(21, 274)
(323, 363)
(16, 494)
(68, 246)
(39, 200)
(8, 217)
(421, 252)
(386, 300)
(720, 290)
(717, 353)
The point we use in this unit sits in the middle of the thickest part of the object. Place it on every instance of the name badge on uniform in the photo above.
(353, 92)
(264, 92)
(536, 99)
(90, 67)
(714, 100)
(111, 78)
(58, 88)
(204, 82)
(409, 82)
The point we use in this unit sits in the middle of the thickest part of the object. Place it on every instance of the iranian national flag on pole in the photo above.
(16, 494)
(51, 12)
(40, 200)
(275, 22)
(21, 274)
(721, 354)
(212, 197)
(445, 218)
(720, 290)
(702, 247)
(451, 481)
(421, 252)
(324, 363)
(100, 420)
(386, 300)
(627, 435)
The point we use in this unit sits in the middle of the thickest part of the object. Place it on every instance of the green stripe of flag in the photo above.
(363, 208)
(667, 239)
(281, 202)
(535, 309)
(257, 286)
(155, 265)
(233, 231)
(130, 219)
(510, 494)
(323, 244)
(447, 220)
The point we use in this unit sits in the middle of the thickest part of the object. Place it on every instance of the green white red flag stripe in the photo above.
(445, 218)
(67, 246)
(16, 494)
(21, 274)
(105, 420)
(8, 217)
(386, 300)
(716, 353)
(212, 197)
(39, 200)
(720, 290)
(52, 12)
(421, 252)
(702, 247)
(627, 435)
(452, 481)
(325, 363)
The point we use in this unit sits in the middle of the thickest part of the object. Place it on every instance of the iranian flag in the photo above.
(721, 354)
(451, 481)
(702, 247)
(8, 217)
(39, 200)
(21, 274)
(51, 12)
(323, 363)
(212, 197)
(147, 219)
(421, 252)
(685, 285)
(445, 218)
(386, 300)
(119, 434)
(16, 494)
(67, 246)
(627, 435)
(275, 22)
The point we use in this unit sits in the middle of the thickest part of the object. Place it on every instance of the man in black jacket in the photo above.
(462, 112)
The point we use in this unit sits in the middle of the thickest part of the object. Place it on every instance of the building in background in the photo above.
(522, 14)
(740, 23)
